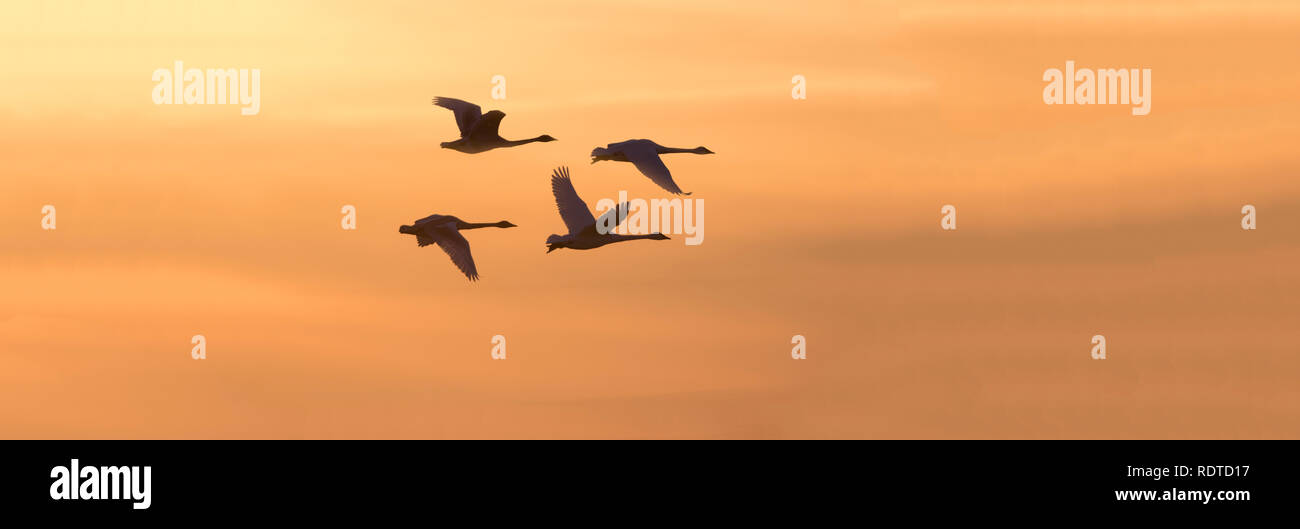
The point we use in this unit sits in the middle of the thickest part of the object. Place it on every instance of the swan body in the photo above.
(644, 154)
(584, 233)
(444, 231)
(478, 131)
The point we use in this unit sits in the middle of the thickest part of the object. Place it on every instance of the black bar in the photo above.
(315, 478)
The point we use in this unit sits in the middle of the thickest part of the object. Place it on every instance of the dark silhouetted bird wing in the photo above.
(486, 127)
(447, 237)
(644, 155)
(615, 216)
(434, 219)
(467, 114)
(572, 209)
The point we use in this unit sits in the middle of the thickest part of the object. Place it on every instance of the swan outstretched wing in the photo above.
(572, 209)
(466, 113)
(615, 216)
(486, 127)
(644, 156)
(433, 219)
(632, 144)
(447, 237)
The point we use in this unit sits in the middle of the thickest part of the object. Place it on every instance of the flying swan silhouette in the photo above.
(644, 154)
(478, 131)
(444, 231)
(583, 234)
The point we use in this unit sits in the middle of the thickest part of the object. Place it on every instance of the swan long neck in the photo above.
(513, 143)
(624, 237)
(474, 225)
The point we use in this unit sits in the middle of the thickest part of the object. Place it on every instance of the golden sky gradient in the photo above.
(822, 220)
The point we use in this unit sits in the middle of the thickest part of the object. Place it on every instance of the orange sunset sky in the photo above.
(822, 220)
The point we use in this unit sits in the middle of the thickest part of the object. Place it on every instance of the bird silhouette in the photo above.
(444, 231)
(585, 232)
(644, 154)
(478, 131)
